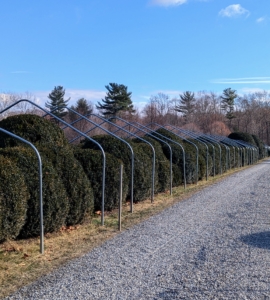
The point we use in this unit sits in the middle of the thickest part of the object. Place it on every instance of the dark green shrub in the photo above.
(203, 159)
(35, 129)
(162, 165)
(55, 201)
(92, 163)
(142, 164)
(177, 157)
(246, 137)
(76, 183)
(13, 199)
(243, 136)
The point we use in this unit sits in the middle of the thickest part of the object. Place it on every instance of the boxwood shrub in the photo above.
(33, 128)
(55, 200)
(142, 164)
(92, 163)
(190, 154)
(246, 137)
(75, 181)
(13, 199)
(162, 165)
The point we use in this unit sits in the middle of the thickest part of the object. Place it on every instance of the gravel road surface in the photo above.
(214, 245)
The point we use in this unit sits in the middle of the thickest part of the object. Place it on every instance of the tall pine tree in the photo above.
(117, 100)
(227, 103)
(186, 105)
(57, 103)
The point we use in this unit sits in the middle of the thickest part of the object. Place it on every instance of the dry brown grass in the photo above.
(21, 263)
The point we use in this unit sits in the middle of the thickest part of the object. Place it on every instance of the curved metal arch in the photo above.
(189, 142)
(203, 140)
(190, 135)
(40, 184)
(75, 129)
(115, 136)
(172, 141)
(154, 137)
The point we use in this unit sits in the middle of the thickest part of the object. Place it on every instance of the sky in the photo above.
(151, 46)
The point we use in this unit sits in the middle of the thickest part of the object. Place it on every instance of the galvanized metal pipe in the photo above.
(40, 184)
(73, 128)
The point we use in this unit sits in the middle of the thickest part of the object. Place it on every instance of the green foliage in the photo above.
(244, 136)
(117, 99)
(13, 199)
(76, 183)
(162, 165)
(186, 104)
(34, 129)
(250, 139)
(57, 104)
(55, 201)
(203, 159)
(92, 163)
(227, 103)
(84, 108)
(177, 154)
(142, 164)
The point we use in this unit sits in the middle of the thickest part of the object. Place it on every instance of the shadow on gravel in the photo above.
(259, 240)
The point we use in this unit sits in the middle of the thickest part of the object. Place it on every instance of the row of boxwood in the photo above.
(72, 175)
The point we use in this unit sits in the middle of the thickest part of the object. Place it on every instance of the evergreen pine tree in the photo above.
(117, 100)
(227, 103)
(186, 105)
(57, 103)
(84, 108)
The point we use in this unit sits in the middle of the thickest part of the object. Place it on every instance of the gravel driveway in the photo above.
(214, 245)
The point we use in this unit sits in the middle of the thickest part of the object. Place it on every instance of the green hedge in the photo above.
(13, 199)
(55, 200)
(35, 129)
(248, 138)
(142, 164)
(177, 154)
(75, 181)
(92, 163)
(162, 165)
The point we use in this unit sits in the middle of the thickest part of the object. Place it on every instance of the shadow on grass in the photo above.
(259, 240)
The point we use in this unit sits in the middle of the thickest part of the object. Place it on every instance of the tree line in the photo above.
(207, 112)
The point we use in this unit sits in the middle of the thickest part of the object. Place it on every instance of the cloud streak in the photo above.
(243, 80)
(167, 3)
(260, 20)
(234, 10)
(19, 72)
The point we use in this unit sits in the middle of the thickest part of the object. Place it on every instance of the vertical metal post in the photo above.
(120, 198)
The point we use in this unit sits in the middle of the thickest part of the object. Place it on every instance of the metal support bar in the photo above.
(40, 185)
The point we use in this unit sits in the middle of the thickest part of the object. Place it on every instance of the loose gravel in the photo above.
(214, 245)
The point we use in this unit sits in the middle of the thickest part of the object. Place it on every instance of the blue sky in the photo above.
(151, 46)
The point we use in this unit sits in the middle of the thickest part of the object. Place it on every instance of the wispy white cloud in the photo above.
(243, 80)
(234, 10)
(168, 2)
(252, 91)
(19, 72)
(260, 20)
(263, 20)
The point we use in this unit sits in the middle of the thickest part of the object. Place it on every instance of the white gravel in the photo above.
(214, 245)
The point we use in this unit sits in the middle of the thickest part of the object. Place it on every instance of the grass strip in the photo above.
(20, 260)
